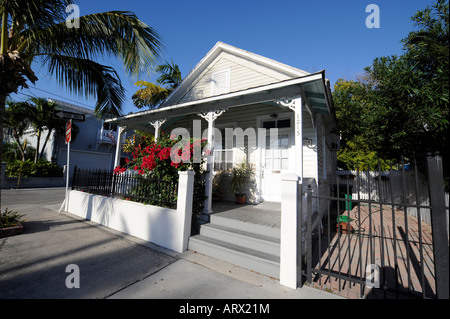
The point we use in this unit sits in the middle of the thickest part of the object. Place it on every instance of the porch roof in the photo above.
(313, 87)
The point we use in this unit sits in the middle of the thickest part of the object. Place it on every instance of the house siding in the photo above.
(326, 164)
(246, 117)
(243, 75)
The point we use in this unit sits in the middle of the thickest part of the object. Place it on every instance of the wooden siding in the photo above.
(313, 156)
(244, 74)
(309, 151)
(326, 163)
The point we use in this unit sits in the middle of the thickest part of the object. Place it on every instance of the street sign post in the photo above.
(57, 114)
(68, 140)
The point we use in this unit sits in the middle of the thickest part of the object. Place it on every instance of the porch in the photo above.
(266, 213)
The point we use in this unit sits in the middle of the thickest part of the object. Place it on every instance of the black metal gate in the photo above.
(384, 235)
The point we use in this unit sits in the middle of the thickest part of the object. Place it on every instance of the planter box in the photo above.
(11, 231)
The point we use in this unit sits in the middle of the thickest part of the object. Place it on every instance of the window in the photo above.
(223, 151)
(284, 123)
(220, 82)
(277, 152)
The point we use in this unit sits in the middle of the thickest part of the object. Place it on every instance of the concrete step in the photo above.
(258, 261)
(245, 226)
(255, 241)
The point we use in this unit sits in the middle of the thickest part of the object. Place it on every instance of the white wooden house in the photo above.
(233, 89)
(237, 89)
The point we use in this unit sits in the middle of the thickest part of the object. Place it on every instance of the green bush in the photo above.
(30, 169)
(10, 219)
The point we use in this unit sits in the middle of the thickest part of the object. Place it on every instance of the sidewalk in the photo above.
(192, 277)
(112, 264)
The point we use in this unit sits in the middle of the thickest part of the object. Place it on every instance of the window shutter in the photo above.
(220, 82)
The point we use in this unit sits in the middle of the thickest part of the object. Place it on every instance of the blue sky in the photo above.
(310, 35)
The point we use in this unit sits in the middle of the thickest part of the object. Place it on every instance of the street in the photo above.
(35, 263)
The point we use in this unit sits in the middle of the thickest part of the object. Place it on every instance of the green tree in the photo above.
(400, 106)
(16, 121)
(152, 95)
(36, 31)
(40, 117)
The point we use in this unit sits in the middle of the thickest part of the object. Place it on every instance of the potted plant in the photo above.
(240, 175)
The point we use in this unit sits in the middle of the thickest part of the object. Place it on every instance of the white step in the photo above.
(245, 226)
(244, 257)
(255, 241)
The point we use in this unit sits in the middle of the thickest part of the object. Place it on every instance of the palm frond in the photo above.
(82, 76)
(170, 74)
(115, 33)
(35, 12)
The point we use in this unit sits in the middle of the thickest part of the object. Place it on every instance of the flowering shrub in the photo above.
(164, 158)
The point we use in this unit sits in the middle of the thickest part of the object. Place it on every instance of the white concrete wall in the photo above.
(165, 227)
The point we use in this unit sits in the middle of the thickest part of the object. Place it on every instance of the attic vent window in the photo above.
(220, 82)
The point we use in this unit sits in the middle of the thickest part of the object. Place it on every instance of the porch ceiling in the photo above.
(313, 86)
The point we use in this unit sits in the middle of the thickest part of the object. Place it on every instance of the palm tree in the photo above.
(16, 121)
(36, 31)
(152, 95)
(41, 116)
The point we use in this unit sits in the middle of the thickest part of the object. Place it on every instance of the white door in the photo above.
(275, 163)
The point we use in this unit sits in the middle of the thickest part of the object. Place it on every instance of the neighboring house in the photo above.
(233, 88)
(93, 148)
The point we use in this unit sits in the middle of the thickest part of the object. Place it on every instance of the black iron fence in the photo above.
(127, 186)
(372, 246)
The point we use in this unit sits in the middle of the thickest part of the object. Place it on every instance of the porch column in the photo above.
(157, 125)
(290, 250)
(291, 205)
(120, 132)
(210, 117)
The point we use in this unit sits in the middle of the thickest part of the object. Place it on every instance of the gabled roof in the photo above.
(279, 81)
(277, 70)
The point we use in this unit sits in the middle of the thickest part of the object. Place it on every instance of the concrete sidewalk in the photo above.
(195, 276)
(112, 264)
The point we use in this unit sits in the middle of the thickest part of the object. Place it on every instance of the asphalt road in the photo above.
(35, 263)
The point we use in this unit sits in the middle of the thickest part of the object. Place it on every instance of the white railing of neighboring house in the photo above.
(105, 135)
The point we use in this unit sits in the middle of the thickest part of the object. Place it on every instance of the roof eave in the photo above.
(283, 89)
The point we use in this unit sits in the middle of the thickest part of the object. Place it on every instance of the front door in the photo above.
(275, 163)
